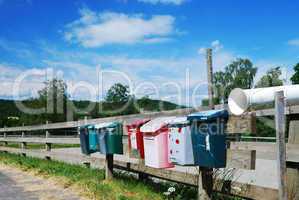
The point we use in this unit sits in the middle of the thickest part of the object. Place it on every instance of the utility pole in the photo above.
(205, 181)
(210, 78)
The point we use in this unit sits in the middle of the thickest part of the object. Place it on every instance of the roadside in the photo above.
(86, 182)
(16, 184)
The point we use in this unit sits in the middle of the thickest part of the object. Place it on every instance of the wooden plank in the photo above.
(237, 125)
(41, 140)
(189, 178)
(236, 158)
(267, 150)
(281, 146)
(293, 174)
(242, 124)
(271, 112)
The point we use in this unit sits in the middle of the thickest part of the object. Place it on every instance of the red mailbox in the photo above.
(135, 137)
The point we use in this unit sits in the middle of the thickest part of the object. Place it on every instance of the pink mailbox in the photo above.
(155, 136)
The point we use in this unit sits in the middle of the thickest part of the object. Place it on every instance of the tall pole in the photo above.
(210, 78)
(281, 145)
(205, 179)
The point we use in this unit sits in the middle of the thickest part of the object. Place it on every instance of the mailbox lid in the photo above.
(208, 115)
(179, 122)
(105, 125)
(138, 123)
(155, 125)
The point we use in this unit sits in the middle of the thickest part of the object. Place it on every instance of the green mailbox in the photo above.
(110, 137)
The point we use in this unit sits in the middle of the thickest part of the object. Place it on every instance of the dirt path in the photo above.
(19, 185)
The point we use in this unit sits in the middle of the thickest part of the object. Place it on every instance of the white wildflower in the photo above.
(171, 189)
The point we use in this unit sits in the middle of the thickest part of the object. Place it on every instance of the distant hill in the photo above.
(10, 115)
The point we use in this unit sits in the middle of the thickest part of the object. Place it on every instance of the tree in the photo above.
(295, 77)
(54, 97)
(118, 93)
(239, 74)
(271, 78)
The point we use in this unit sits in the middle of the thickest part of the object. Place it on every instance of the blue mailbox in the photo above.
(209, 138)
(86, 140)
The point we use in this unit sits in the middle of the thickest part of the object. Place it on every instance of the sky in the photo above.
(154, 46)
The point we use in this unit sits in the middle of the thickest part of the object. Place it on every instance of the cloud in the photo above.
(28, 87)
(215, 45)
(294, 42)
(99, 29)
(175, 2)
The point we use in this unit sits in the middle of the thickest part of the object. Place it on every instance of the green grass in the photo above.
(90, 180)
(93, 184)
(40, 146)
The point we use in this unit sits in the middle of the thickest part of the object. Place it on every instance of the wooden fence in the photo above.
(239, 156)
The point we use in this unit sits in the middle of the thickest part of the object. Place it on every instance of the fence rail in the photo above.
(244, 159)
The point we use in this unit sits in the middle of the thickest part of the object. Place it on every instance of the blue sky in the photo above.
(151, 41)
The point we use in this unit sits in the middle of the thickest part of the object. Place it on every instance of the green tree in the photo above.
(118, 93)
(271, 78)
(295, 77)
(54, 98)
(239, 74)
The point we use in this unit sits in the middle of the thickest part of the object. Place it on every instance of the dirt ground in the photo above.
(16, 184)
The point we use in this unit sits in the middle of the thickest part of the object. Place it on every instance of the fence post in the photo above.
(202, 193)
(109, 167)
(23, 144)
(48, 145)
(293, 173)
(5, 136)
(281, 146)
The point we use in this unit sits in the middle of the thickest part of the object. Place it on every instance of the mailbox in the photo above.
(84, 140)
(93, 138)
(180, 144)
(208, 138)
(155, 136)
(135, 138)
(110, 137)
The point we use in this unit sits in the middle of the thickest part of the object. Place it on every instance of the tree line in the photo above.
(241, 73)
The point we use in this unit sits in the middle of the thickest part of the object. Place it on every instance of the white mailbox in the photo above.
(155, 135)
(180, 142)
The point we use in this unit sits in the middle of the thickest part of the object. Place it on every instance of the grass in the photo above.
(40, 146)
(91, 182)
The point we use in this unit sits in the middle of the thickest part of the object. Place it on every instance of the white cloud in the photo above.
(99, 29)
(28, 87)
(175, 2)
(294, 42)
(215, 45)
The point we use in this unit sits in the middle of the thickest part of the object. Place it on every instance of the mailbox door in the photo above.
(102, 141)
(151, 151)
(93, 140)
(209, 150)
(84, 141)
(114, 143)
(180, 146)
